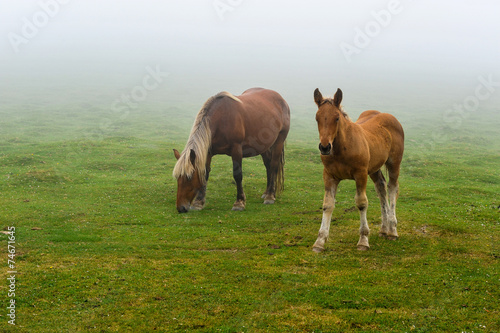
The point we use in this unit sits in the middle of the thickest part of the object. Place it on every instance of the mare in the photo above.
(254, 123)
(356, 150)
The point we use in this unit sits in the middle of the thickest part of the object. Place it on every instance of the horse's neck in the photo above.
(344, 132)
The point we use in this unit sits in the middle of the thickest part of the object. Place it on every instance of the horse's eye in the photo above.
(337, 119)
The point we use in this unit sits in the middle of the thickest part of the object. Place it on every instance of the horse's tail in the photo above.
(280, 176)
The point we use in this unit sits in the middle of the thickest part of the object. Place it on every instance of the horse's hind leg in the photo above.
(274, 170)
(393, 189)
(380, 187)
(266, 158)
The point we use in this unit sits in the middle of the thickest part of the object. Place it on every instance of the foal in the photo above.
(356, 150)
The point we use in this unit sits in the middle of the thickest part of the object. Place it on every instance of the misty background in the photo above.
(422, 59)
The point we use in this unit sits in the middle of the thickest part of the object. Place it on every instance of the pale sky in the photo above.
(238, 43)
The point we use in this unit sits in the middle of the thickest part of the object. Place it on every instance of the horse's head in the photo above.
(327, 117)
(188, 182)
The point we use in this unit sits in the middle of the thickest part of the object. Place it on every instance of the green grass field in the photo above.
(100, 246)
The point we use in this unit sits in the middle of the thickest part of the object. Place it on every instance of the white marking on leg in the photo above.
(384, 205)
(364, 231)
(392, 221)
(362, 204)
(324, 231)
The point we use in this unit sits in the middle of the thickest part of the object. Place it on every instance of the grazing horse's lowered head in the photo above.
(328, 116)
(189, 183)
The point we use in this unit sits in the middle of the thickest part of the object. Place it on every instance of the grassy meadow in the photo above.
(100, 246)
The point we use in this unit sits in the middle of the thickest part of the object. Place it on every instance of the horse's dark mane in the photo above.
(341, 108)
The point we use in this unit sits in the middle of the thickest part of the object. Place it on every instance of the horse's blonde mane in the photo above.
(200, 140)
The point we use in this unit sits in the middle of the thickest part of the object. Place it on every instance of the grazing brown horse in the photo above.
(356, 150)
(255, 123)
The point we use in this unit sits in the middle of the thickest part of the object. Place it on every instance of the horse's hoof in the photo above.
(238, 206)
(197, 207)
(363, 248)
(263, 196)
(387, 236)
(269, 199)
(318, 249)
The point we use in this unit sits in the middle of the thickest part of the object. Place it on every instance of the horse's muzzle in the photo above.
(325, 150)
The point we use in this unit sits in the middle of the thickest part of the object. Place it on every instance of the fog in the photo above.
(388, 53)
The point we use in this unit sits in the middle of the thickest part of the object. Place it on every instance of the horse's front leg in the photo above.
(328, 206)
(362, 204)
(237, 156)
(199, 201)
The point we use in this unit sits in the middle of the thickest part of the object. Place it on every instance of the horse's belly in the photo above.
(256, 145)
(261, 137)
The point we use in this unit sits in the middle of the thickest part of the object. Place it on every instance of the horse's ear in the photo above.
(337, 99)
(192, 156)
(176, 153)
(318, 98)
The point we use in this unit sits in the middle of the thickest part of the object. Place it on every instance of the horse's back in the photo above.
(371, 120)
(255, 119)
(266, 100)
(366, 115)
(383, 129)
(264, 107)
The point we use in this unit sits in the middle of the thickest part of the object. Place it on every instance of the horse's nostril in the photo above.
(182, 209)
(325, 150)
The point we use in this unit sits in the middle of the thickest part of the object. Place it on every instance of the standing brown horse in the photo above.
(355, 151)
(255, 123)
